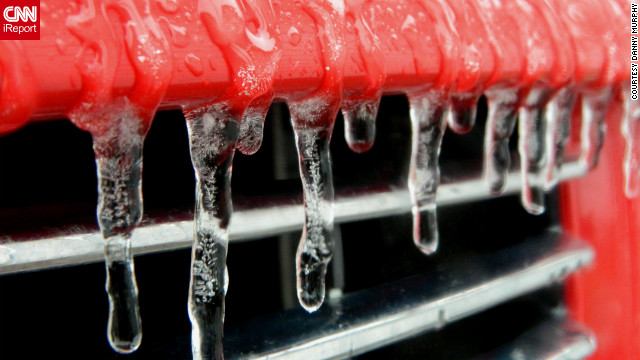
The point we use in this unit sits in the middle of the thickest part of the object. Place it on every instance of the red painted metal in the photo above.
(463, 44)
(606, 296)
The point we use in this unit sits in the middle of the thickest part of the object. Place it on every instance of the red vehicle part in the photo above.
(418, 45)
(517, 44)
(606, 297)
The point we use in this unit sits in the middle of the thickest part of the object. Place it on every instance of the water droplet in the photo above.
(294, 36)
(194, 64)
(170, 6)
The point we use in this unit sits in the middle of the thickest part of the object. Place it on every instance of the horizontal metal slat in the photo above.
(248, 222)
(373, 318)
(555, 339)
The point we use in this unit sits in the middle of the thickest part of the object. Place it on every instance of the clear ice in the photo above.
(119, 165)
(212, 138)
(594, 112)
(462, 113)
(316, 245)
(503, 113)
(360, 110)
(533, 151)
(428, 122)
(360, 123)
(312, 118)
(631, 133)
(558, 118)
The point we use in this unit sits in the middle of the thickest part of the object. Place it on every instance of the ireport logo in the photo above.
(20, 20)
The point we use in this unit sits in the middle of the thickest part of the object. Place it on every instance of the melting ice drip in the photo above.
(212, 138)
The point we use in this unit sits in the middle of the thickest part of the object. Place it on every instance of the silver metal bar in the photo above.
(370, 319)
(249, 222)
(555, 339)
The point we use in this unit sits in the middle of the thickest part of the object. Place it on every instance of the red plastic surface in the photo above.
(464, 45)
(606, 296)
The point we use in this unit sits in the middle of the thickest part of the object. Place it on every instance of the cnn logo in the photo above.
(20, 20)
(15, 13)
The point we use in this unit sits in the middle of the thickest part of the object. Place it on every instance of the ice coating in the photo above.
(118, 124)
(630, 128)
(501, 120)
(428, 123)
(558, 123)
(595, 104)
(312, 118)
(252, 56)
(360, 109)
(212, 139)
(534, 153)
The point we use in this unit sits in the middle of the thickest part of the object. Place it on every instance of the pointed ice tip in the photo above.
(427, 248)
(534, 209)
(125, 347)
(311, 288)
(360, 146)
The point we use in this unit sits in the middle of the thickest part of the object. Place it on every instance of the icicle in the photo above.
(118, 123)
(360, 123)
(119, 165)
(360, 110)
(313, 118)
(594, 112)
(252, 124)
(212, 138)
(427, 112)
(316, 245)
(631, 133)
(462, 113)
(558, 119)
(503, 112)
(533, 151)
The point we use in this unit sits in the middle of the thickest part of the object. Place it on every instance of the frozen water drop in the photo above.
(631, 133)
(360, 123)
(462, 115)
(533, 151)
(594, 112)
(428, 123)
(212, 139)
(170, 6)
(294, 36)
(558, 118)
(194, 64)
(503, 112)
(119, 165)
